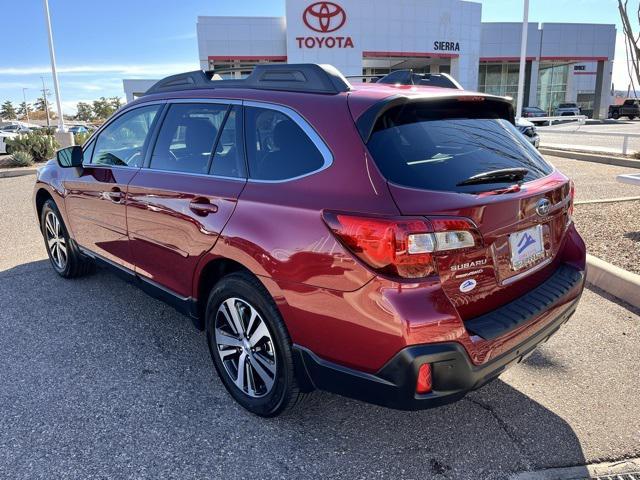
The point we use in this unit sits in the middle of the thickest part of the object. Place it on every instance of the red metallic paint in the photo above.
(98, 220)
(332, 304)
(167, 237)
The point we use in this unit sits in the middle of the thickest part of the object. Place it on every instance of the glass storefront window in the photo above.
(499, 79)
(552, 85)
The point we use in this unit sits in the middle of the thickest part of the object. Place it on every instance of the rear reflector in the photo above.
(423, 385)
(572, 194)
(402, 247)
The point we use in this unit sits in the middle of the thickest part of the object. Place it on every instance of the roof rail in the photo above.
(295, 77)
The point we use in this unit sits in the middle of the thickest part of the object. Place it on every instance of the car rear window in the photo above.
(438, 144)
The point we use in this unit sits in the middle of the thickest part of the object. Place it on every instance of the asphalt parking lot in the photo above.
(101, 381)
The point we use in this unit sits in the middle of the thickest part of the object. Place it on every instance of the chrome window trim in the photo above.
(102, 165)
(192, 174)
(302, 122)
(111, 119)
(306, 127)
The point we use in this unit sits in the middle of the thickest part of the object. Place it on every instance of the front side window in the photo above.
(87, 151)
(187, 137)
(122, 142)
(277, 148)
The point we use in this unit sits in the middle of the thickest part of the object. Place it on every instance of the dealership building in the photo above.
(564, 62)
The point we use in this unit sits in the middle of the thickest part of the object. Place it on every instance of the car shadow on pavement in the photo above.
(101, 380)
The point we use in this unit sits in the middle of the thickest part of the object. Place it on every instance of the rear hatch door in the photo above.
(435, 155)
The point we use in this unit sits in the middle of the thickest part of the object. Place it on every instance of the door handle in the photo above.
(115, 195)
(202, 207)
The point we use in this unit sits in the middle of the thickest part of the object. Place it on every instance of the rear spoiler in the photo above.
(367, 121)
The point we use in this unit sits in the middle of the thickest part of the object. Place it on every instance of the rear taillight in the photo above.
(401, 247)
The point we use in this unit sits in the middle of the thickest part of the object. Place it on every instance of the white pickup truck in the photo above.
(566, 109)
(3, 138)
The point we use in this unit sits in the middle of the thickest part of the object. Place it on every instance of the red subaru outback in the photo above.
(396, 244)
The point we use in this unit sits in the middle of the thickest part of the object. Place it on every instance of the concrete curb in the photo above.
(592, 157)
(608, 469)
(614, 280)
(15, 172)
(607, 200)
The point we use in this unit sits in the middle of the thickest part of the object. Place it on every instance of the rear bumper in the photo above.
(453, 372)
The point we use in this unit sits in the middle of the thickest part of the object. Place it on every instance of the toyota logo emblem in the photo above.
(324, 17)
(542, 207)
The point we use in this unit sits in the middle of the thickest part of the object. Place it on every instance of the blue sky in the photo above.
(100, 42)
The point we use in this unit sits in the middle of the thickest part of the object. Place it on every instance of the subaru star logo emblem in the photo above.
(543, 207)
(324, 17)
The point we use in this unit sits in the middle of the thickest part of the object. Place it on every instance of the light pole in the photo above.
(52, 53)
(46, 102)
(26, 107)
(523, 58)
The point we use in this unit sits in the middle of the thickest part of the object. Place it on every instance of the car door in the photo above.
(96, 194)
(180, 202)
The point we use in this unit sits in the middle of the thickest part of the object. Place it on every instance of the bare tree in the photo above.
(632, 43)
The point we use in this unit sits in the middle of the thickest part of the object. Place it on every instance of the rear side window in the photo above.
(277, 148)
(187, 137)
(436, 145)
(122, 142)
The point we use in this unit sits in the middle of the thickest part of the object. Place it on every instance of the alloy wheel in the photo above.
(56, 241)
(245, 347)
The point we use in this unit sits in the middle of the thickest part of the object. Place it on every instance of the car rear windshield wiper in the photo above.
(494, 176)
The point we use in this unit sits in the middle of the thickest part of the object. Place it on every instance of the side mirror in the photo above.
(70, 157)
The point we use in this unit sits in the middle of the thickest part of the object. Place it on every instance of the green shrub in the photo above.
(80, 138)
(40, 147)
(45, 130)
(21, 159)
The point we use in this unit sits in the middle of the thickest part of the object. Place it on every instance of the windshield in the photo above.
(436, 149)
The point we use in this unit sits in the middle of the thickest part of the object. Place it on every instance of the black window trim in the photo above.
(219, 101)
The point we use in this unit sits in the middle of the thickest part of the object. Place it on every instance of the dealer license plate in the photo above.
(527, 247)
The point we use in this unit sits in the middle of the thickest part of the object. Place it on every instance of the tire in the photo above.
(262, 346)
(632, 117)
(615, 115)
(64, 255)
(7, 149)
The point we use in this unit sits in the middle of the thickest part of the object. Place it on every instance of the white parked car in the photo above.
(528, 129)
(3, 137)
(567, 109)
